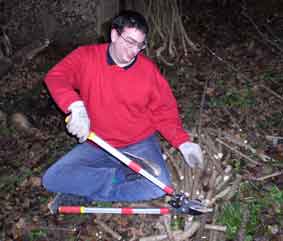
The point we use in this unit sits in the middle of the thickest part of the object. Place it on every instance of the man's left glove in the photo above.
(192, 154)
(79, 123)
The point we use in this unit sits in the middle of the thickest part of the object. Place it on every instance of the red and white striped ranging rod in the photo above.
(127, 161)
(126, 211)
(136, 168)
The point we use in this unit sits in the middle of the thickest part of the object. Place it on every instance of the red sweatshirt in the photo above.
(125, 105)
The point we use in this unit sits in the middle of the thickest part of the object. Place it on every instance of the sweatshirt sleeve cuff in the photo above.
(176, 143)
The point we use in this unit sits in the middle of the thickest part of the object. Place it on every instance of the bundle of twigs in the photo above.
(216, 184)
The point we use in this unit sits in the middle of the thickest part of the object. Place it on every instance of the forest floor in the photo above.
(229, 92)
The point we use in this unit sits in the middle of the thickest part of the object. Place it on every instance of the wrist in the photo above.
(76, 104)
(183, 145)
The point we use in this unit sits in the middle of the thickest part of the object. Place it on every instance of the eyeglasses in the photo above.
(132, 43)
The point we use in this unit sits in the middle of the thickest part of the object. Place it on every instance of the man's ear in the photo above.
(114, 35)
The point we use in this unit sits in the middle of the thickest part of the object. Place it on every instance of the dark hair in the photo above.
(130, 19)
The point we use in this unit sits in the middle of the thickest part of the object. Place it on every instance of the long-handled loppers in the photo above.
(179, 202)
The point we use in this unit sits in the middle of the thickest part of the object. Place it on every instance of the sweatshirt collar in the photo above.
(110, 60)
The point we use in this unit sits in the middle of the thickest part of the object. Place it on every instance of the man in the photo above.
(117, 92)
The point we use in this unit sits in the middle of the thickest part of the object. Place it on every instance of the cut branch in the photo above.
(238, 152)
(109, 230)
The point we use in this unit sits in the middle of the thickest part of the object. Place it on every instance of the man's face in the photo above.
(127, 44)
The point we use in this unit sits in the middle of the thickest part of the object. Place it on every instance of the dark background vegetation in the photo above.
(223, 59)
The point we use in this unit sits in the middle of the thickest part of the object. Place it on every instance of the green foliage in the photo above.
(271, 121)
(249, 238)
(12, 180)
(177, 222)
(44, 68)
(4, 131)
(258, 204)
(237, 164)
(233, 98)
(25, 173)
(37, 234)
(272, 76)
(103, 204)
(7, 182)
(254, 209)
(231, 217)
(43, 200)
(190, 113)
(276, 195)
(7, 131)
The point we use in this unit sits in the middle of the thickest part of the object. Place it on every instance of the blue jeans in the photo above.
(89, 171)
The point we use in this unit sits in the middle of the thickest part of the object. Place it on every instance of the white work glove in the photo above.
(78, 124)
(192, 154)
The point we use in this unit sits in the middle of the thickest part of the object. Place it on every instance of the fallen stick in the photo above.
(166, 223)
(212, 156)
(215, 227)
(223, 182)
(175, 165)
(218, 180)
(220, 195)
(188, 180)
(171, 44)
(262, 156)
(206, 177)
(214, 234)
(265, 38)
(210, 143)
(188, 222)
(234, 187)
(274, 139)
(196, 183)
(159, 237)
(275, 174)
(189, 233)
(241, 236)
(211, 185)
(233, 119)
(238, 152)
(179, 235)
(107, 229)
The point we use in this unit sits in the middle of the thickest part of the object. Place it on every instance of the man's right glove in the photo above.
(78, 124)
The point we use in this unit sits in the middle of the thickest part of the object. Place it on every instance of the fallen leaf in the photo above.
(35, 181)
(21, 224)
